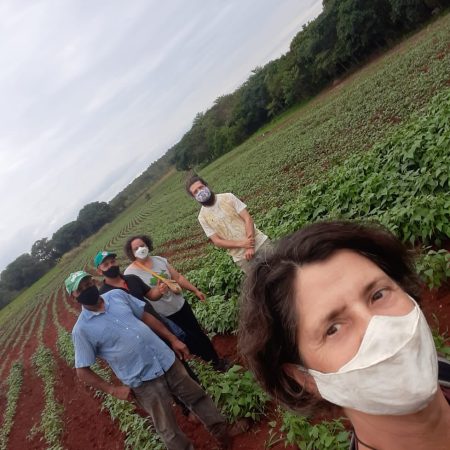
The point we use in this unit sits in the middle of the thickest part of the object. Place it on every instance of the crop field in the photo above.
(375, 146)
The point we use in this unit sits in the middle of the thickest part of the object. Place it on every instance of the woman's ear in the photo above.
(302, 377)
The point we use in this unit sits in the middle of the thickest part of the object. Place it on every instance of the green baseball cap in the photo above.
(100, 256)
(73, 280)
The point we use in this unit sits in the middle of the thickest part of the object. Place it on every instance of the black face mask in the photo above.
(211, 200)
(89, 296)
(112, 272)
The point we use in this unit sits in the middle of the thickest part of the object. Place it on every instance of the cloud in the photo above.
(92, 93)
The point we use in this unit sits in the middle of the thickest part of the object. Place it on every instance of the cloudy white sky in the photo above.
(93, 91)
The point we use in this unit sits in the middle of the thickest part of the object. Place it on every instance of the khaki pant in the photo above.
(246, 265)
(155, 396)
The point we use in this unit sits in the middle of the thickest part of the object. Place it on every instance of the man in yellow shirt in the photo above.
(227, 222)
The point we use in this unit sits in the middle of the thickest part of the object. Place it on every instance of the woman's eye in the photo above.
(333, 329)
(378, 295)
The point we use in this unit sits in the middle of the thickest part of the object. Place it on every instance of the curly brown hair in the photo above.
(190, 180)
(268, 322)
(143, 237)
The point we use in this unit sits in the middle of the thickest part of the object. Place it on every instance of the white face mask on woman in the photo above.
(394, 371)
(141, 252)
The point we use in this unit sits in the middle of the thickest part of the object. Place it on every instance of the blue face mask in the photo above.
(203, 195)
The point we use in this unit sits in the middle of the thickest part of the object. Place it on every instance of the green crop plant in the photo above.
(65, 346)
(235, 392)
(51, 424)
(326, 435)
(434, 267)
(216, 314)
(14, 383)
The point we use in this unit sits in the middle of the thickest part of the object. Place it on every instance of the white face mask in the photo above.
(394, 371)
(203, 195)
(141, 252)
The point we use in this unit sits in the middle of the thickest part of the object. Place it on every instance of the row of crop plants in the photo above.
(14, 380)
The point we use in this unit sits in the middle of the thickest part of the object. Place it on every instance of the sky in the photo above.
(93, 92)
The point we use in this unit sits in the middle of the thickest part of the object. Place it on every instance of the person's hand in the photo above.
(121, 392)
(249, 253)
(162, 288)
(248, 243)
(180, 349)
(200, 295)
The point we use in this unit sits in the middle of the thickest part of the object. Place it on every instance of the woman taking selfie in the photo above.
(331, 316)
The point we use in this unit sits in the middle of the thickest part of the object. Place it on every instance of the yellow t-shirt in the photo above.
(223, 219)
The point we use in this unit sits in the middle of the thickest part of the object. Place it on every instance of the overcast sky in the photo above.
(93, 91)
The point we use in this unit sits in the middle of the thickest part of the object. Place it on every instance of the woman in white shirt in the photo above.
(171, 305)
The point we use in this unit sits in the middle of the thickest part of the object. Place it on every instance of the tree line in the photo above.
(340, 38)
(44, 254)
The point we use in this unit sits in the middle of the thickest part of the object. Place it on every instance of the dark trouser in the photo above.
(196, 340)
(154, 396)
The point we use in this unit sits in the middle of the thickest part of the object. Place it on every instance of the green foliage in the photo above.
(22, 272)
(69, 236)
(235, 392)
(219, 275)
(307, 436)
(344, 34)
(51, 418)
(139, 431)
(94, 215)
(403, 183)
(216, 314)
(441, 341)
(65, 346)
(14, 383)
(434, 267)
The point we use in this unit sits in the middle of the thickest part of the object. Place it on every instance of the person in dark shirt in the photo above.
(106, 264)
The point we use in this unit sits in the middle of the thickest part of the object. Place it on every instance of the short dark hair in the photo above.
(143, 237)
(191, 180)
(268, 319)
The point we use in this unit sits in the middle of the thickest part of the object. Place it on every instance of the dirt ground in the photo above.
(86, 426)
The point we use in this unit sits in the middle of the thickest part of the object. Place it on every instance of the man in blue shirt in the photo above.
(115, 327)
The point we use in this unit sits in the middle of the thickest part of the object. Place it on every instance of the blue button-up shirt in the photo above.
(118, 335)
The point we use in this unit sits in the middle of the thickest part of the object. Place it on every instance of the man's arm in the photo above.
(249, 232)
(249, 224)
(92, 379)
(226, 243)
(161, 330)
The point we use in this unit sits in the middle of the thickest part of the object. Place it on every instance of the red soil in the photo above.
(87, 427)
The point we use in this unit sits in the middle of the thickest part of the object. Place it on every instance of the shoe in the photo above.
(222, 365)
(238, 427)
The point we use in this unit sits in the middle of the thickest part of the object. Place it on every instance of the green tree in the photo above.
(42, 250)
(22, 272)
(94, 215)
(408, 13)
(69, 236)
